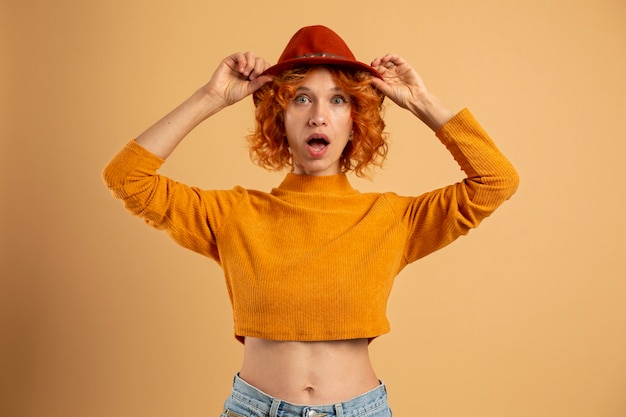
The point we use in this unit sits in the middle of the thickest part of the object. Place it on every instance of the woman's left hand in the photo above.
(403, 85)
(400, 82)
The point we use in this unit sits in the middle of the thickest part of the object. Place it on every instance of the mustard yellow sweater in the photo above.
(315, 259)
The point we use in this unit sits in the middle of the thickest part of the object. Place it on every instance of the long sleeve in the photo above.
(437, 218)
(189, 215)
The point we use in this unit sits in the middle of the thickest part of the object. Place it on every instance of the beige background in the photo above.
(103, 316)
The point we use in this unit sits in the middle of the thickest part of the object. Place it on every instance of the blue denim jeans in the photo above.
(247, 401)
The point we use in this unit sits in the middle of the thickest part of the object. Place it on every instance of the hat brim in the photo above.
(289, 64)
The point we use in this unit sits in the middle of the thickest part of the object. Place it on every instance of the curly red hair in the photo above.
(368, 147)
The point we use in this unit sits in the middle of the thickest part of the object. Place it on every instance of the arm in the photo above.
(437, 218)
(189, 215)
(237, 76)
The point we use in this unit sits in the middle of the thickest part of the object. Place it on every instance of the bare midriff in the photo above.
(309, 373)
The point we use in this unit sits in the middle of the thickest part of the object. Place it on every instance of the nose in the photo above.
(318, 115)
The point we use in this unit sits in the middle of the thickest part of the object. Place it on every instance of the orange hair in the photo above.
(368, 147)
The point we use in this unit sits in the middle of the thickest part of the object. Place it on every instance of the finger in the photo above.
(250, 61)
(258, 82)
(381, 85)
(382, 60)
(259, 66)
(384, 63)
(388, 61)
(239, 60)
(244, 62)
(377, 63)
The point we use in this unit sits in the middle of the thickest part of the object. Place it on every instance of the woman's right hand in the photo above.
(237, 76)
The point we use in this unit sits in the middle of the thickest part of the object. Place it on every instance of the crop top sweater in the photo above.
(315, 259)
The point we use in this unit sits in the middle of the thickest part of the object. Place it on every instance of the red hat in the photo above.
(317, 45)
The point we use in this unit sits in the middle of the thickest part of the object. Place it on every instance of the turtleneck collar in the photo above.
(316, 184)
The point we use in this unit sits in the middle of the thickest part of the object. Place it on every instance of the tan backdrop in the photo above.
(102, 316)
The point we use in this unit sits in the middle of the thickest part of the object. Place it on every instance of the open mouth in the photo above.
(317, 143)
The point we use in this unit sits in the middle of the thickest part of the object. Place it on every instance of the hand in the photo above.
(405, 87)
(400, 82)
(237, 76)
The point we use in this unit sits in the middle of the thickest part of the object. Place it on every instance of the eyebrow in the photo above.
(307, 89)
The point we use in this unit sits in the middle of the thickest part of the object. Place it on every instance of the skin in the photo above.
(310, 373)
(319, 110)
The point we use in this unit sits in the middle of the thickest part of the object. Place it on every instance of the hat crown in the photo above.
(317, 45)
(316, 41)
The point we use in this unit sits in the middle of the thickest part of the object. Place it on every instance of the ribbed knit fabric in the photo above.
(315, 259)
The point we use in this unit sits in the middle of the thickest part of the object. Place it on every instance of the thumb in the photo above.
(381, 85)
(259, 82)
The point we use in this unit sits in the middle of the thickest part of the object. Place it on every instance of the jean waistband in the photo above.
(365, 404)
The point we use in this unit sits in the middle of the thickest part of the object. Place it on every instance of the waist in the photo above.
(309, 372)
(248, 400)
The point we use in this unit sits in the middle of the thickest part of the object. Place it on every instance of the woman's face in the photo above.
(318, 124)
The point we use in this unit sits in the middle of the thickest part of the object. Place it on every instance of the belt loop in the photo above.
(339, 410)
(274, 408)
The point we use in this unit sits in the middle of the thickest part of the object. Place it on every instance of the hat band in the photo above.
(321, 55)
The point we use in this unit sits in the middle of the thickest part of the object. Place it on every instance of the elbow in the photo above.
(489, 193)
(503, 189)
(115, 174)
(503, 184)
(108, 176)
(511, 182)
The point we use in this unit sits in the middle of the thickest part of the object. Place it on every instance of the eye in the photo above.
(339, 100)
(301, 99)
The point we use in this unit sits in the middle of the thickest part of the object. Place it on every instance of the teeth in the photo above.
(317, 143)
(318, 146)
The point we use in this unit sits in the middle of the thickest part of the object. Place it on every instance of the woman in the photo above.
(309, 266)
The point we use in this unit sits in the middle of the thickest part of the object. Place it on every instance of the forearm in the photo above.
(491, 178)
(430, 110)
(162, 137)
